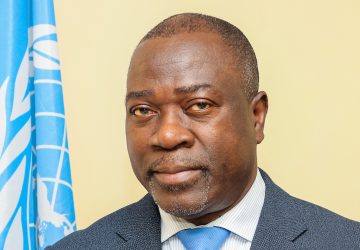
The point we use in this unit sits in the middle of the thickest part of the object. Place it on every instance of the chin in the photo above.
(181, 203)
(184, 210)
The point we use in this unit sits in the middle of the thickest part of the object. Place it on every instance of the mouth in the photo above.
(176, 175)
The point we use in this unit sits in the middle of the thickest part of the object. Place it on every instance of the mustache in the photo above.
(176, 160)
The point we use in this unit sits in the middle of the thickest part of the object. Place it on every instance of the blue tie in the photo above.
(205, 238)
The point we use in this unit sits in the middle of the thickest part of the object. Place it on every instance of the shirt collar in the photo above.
(240, 220)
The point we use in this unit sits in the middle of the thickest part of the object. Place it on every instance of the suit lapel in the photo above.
(280, 221)
(279, 225)
(140, 225)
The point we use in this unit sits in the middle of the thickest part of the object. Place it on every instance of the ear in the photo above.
(259, 108)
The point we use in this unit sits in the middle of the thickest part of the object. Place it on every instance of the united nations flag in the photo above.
(36, 198)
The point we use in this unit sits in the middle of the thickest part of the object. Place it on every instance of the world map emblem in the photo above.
(35, 177)
(53, 175)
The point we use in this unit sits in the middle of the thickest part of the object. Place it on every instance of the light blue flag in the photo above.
(36, 198)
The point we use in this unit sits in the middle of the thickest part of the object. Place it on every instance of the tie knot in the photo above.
(205, 238)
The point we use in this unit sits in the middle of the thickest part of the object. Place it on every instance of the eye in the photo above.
(199, 106)
(142, 112)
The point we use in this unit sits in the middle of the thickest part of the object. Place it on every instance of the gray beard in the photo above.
(178, 210)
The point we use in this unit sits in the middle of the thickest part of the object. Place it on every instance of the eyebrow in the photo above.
(149, 92)
(192, 88)
(137, 94)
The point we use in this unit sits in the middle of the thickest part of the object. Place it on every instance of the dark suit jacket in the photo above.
(285, 223)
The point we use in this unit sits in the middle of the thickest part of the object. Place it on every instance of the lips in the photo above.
(176, 175)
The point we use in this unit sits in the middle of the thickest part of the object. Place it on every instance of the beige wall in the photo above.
(308, 53)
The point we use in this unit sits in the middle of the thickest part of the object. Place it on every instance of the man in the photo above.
(194, 119)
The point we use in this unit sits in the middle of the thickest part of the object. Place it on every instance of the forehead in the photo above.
(179, 60)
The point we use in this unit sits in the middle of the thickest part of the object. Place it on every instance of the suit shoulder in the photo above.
(322, 222)
(313, 211)
(102, 234)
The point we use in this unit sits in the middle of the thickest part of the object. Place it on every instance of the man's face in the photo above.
(189, 127)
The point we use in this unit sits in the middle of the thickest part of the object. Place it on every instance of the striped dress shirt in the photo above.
(241, 221)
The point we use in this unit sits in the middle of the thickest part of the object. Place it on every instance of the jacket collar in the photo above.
(140, 225)
(281, 220)
(280, 223)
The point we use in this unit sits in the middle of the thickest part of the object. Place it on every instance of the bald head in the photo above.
(241, 51)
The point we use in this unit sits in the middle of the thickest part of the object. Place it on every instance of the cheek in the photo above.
(136, 139)
(225, 139)
(230, 147)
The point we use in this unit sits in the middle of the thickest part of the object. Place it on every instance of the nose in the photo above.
(172, 136)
